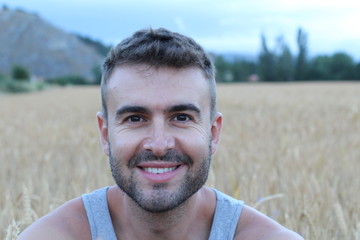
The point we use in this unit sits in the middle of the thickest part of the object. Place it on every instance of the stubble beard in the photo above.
(160, 199)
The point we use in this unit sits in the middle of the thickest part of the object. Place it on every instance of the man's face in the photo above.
(159, 135)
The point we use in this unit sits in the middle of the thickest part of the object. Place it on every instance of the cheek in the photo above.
(124, 145)
(196, 146)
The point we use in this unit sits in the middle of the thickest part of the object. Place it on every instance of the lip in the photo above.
(158, 178)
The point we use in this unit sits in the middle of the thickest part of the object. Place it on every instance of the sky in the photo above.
(220, 26)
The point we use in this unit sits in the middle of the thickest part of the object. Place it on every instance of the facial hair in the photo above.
(160, 199)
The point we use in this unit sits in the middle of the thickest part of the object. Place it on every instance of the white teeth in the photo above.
(159, 170)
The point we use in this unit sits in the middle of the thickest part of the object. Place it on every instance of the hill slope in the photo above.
(45, 50)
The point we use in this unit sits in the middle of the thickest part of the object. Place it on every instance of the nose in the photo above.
(160, 139)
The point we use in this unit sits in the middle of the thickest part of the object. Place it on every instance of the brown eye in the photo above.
(182, 118)
(135, 118)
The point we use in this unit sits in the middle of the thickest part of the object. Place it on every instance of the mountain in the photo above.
(45, 50)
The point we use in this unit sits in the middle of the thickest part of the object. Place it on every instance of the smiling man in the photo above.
(159, 126)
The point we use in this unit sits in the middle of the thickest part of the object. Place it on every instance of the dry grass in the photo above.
(291, 150)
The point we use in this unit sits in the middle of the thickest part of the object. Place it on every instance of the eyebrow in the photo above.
(143, 110)
(184, 107)
(130, 109)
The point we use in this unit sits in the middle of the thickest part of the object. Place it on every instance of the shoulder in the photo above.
(255, 225)
(69, 221)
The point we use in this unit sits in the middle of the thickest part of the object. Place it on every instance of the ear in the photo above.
(215, 132)
(103, 129)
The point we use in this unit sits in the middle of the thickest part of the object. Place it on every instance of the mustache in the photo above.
(170, 156)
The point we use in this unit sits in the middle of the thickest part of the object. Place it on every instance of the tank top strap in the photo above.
(97, 211)
(226, 217)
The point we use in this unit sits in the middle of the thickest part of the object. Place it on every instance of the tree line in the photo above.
(279, 64)
(272, 65)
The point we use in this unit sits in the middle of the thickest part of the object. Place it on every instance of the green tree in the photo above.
(100, 47)
(320, 68)
(242, 69)
(284, 63)
(20, 73)
(96, 70)
(357, 71)
(223, 70)
(266, 62)
(301, 61)
(342, 67)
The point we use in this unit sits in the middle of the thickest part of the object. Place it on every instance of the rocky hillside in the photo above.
(45, 50)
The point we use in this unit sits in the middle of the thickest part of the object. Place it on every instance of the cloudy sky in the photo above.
(219, 25)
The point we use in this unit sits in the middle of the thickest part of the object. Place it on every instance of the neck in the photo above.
(160, 223)
(190, 218)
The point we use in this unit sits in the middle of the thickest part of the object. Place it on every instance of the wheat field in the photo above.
(290, 150)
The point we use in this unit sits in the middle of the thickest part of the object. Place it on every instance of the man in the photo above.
(159, 126)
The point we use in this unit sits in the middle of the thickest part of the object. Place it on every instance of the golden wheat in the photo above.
(312, 234)
(300, 140)
(27, 210)
(341, 219)
(356, 232)
(12, 231)
(268, 198)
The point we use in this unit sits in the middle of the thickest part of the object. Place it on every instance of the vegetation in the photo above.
(301, 60)
(68, 80)
(97, 74)
(19, 82)
(291, 152)
(16, 87)
(97, 45)
(20, 73)
(279, 64)
(273, 65)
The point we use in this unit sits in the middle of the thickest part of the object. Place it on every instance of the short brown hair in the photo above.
(159, 48)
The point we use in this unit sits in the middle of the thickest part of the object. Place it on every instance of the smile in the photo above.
(158, 170)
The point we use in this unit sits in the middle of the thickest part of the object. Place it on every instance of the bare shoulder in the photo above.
(69, 221)
(255, 225)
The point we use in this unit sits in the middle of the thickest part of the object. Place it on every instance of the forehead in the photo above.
(132, 75)
(144, 85)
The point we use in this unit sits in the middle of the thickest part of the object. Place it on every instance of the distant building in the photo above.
(253, 78)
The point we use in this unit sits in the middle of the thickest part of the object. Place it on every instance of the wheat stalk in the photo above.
(357, 231)
(311, 176)
(313, 233)
(27, 210)
(341, 218)
(268, 198)
(12, 231)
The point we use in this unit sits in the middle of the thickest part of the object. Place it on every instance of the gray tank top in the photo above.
(227, 213)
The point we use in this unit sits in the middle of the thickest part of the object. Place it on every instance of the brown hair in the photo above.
(159, 48)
